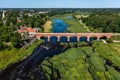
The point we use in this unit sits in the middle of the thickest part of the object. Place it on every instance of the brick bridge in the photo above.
(77, 35)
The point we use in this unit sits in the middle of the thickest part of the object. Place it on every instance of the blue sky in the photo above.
(59, 3)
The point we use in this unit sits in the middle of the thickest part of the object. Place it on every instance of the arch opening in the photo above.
(44, 38)
(83, 39)
(73, 39)
(53, 39)
(63, 39)
(103, 37)
(93, 38)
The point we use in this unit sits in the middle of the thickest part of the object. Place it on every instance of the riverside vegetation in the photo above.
(97, 62)
(12, 55)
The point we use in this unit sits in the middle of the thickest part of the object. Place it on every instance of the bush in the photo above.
(110, 40)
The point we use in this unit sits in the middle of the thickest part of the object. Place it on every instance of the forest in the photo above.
(106, 20)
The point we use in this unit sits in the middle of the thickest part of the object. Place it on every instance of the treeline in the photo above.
(60, 12)
(107, 21)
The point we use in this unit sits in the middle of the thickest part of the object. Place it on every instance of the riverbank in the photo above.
(13, 55)
(82, 63)
(75, 26)
(48, 26)
(28, 68)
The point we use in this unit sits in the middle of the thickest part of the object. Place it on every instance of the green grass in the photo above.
(87, 63)
(115, 37)
(75, 26)
(10, 56)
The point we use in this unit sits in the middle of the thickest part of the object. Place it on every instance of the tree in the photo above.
(16, 40)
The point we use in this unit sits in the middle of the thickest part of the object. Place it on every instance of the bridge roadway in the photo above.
(78, 35)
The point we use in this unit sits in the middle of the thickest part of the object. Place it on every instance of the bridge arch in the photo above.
(63, 38)
(92, 38)
(103, 37)
(73, 39)
(83, 39)
(44, 37)
(53, 38)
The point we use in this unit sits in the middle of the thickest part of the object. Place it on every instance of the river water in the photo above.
(30, 69)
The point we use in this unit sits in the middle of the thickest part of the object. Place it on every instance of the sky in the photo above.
(59, 3)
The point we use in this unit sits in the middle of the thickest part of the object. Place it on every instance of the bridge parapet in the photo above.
(78, 35)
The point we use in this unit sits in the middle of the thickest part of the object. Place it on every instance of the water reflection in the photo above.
(59, 26)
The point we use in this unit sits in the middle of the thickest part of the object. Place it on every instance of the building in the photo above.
(3, 15)
(28, 30)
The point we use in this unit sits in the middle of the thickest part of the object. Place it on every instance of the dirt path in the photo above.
(84, 25)
(116, 41)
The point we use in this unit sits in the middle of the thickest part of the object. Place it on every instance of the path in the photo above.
(104, 41)
(116, 41)
(84, 25)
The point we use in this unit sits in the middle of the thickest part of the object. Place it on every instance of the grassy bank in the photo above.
(12, 55)
(97, 62)
(116, 38)
(75, 26)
